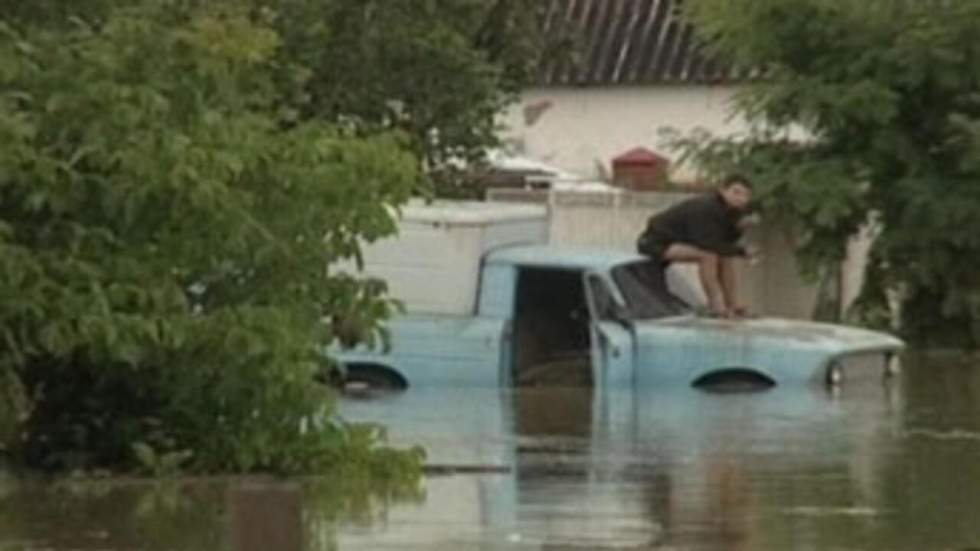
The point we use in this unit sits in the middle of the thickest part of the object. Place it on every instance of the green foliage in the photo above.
(160, 464)
(880, 98)
(439, 71)
(55, 13)
(13, 408)
(165, 228)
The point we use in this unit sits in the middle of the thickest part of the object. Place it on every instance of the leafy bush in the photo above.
(165, 227)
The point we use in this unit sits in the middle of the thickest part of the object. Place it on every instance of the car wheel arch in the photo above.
(365, 377)
(733, 379)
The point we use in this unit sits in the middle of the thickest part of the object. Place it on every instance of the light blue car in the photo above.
(608, 319)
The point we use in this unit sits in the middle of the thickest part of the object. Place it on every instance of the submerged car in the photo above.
(487, 303)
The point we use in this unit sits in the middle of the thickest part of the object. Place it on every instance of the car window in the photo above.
(644, 288)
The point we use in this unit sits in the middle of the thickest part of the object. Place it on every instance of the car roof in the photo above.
(561, 257)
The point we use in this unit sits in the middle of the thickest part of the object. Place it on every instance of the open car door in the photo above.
(613, 341)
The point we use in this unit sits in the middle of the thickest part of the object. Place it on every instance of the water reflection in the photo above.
(100, 515)
(686, 470)
(213, 514)
(875, 466)
(265, 515)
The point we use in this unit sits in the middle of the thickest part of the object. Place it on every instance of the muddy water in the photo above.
(873, 467)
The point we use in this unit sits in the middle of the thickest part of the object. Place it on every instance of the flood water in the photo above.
(873, 467)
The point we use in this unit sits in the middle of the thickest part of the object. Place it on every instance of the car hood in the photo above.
(784, 350)
(768, 331)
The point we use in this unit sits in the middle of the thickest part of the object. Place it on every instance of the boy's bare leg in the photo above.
(729, 287)
(708, 272)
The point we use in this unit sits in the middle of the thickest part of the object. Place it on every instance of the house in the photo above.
(639, 69)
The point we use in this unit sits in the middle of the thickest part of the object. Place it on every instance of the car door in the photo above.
(613, 339)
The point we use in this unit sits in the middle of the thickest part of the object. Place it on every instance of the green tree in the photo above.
(884, 95)
(437, 70)
(55, 13)
(164, 237)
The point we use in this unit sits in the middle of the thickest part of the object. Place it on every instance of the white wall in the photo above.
(577, 128)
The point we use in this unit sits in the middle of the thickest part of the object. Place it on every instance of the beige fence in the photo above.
(772, 286)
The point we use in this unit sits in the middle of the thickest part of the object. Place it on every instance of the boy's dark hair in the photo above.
(733, 179)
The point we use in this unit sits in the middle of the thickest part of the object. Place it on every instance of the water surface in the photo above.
(874, 467)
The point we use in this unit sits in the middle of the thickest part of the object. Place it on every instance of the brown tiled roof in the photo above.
(628, 42)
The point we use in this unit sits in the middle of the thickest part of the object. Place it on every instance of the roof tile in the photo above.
(629, 42)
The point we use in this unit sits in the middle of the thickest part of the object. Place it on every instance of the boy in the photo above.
(705, 230)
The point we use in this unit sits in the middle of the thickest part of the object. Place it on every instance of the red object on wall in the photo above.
(640, 169)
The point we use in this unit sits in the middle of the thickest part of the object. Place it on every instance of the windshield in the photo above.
(644, 288)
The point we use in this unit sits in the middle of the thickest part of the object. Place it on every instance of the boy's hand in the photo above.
(752, 255)
(748, 221)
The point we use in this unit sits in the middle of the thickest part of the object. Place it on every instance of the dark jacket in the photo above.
(705, 221)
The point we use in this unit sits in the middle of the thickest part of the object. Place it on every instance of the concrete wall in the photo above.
(580, 129)
(773, 286)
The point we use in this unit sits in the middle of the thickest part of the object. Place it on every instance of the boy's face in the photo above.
(737, 195)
